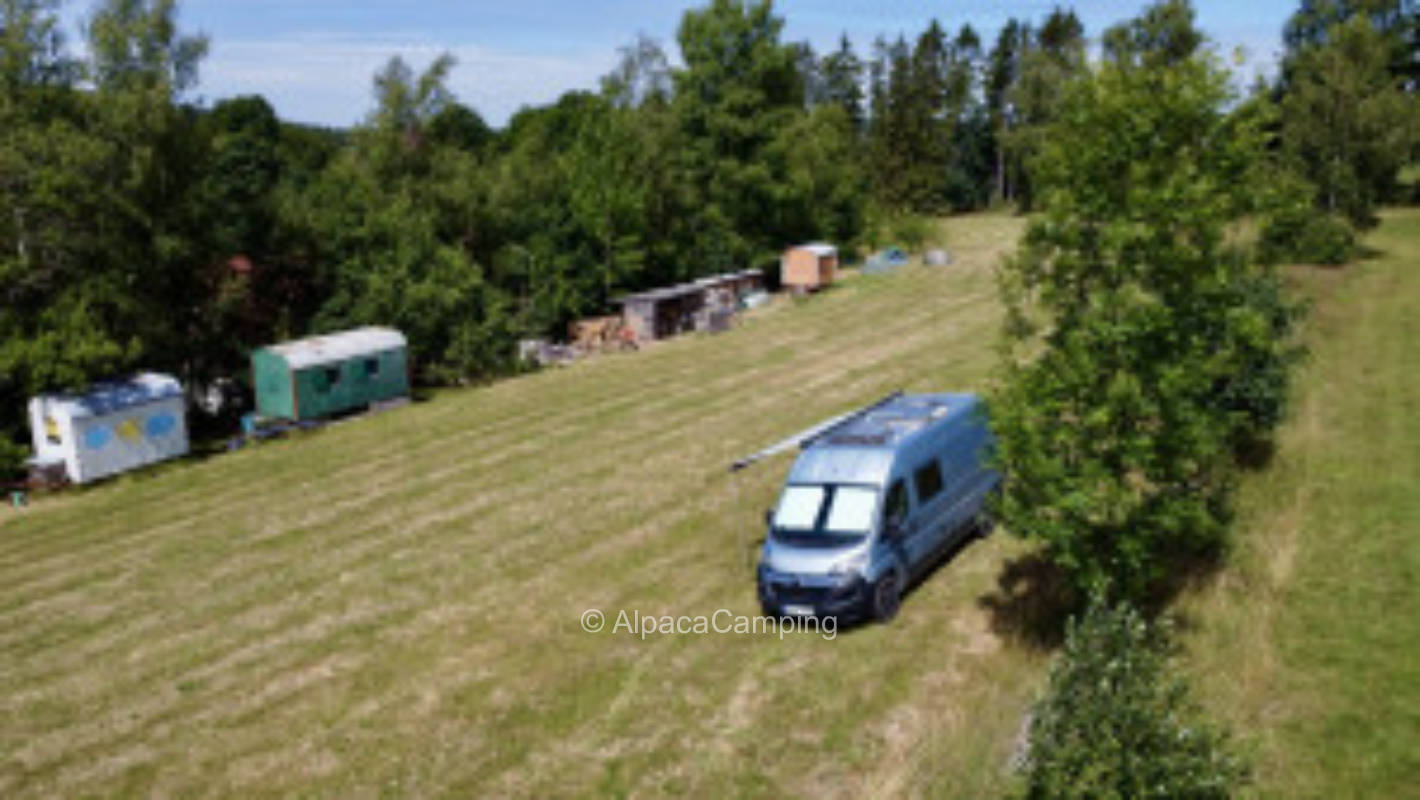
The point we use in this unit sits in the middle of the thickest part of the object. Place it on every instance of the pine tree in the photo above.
(738, 89)
(843, 81)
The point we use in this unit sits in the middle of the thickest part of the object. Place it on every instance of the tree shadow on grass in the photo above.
(1034, 599)
(1184, 570)
(1031, 602)
(1366, 252)
(1255, 454)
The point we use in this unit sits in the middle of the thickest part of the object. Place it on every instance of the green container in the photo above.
(323, 376)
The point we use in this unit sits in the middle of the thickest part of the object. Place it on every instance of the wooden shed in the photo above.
(663, 313)
(807, 267)
(326, 375)
(706, 304)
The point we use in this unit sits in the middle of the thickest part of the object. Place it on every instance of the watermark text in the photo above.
(722, 622)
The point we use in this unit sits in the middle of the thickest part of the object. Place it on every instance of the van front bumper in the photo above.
(789, 594)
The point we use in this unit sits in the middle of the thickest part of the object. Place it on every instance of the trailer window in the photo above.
(51, 431)
(928, 480)
(332, 377)
(372, 368)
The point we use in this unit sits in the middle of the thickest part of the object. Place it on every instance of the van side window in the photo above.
(896, 507)
(928, 480)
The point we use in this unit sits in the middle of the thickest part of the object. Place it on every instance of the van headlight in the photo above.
(850, 566)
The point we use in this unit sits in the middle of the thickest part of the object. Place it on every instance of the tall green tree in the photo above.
(97, 238)
(393, 215)
(141, 66)
(1164, 34)
(823, 187)
(1128, 319)
(1051, 59)
(53, 298)
(969, 175)
(642, 75)
(236, 242)
(608, 197)
(842, 72)
(1002, 71)
(459, 126)
(738, 90)
(1345, 120)
(1397, 21)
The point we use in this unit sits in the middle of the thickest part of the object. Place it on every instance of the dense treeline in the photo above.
(141, 230)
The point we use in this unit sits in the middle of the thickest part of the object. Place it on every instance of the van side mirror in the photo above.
(768, 517)
(892, 528)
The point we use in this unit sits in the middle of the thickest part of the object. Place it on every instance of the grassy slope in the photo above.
(394, 603)
(1310, 641)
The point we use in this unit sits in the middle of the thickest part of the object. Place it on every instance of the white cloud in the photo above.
(326, 78)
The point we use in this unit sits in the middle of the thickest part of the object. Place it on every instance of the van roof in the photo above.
(862, 448)
(889, 425)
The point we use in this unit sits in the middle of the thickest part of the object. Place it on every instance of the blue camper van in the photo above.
(872, 502)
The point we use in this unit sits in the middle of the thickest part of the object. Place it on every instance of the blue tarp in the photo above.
(885, 260)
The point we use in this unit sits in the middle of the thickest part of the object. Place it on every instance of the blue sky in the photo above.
(313, 59)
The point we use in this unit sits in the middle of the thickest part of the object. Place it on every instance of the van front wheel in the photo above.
(887, 597)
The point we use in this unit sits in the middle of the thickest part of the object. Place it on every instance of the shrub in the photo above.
(1306, 235)
(887, 227)
(910, 231)
(1253, 391)
(12, 457)
(1116, 722)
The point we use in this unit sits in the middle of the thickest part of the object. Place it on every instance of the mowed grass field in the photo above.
(1308, 643)
(392, 606)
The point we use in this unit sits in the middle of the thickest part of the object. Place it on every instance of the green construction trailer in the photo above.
(322, 376)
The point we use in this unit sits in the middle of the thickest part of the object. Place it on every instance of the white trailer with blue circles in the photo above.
(110, 427)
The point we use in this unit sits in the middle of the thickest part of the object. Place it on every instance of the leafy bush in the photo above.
(1115, 722)
(1306, 235)
(884, 227)
(12, 457)
(911, 231)
(1253, 391)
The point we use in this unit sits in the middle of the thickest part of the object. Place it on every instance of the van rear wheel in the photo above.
(983, 526)
(887, 597)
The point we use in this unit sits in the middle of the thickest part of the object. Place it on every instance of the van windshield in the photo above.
(825, 511)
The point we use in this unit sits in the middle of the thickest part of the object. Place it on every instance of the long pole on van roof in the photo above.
(807, 436)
